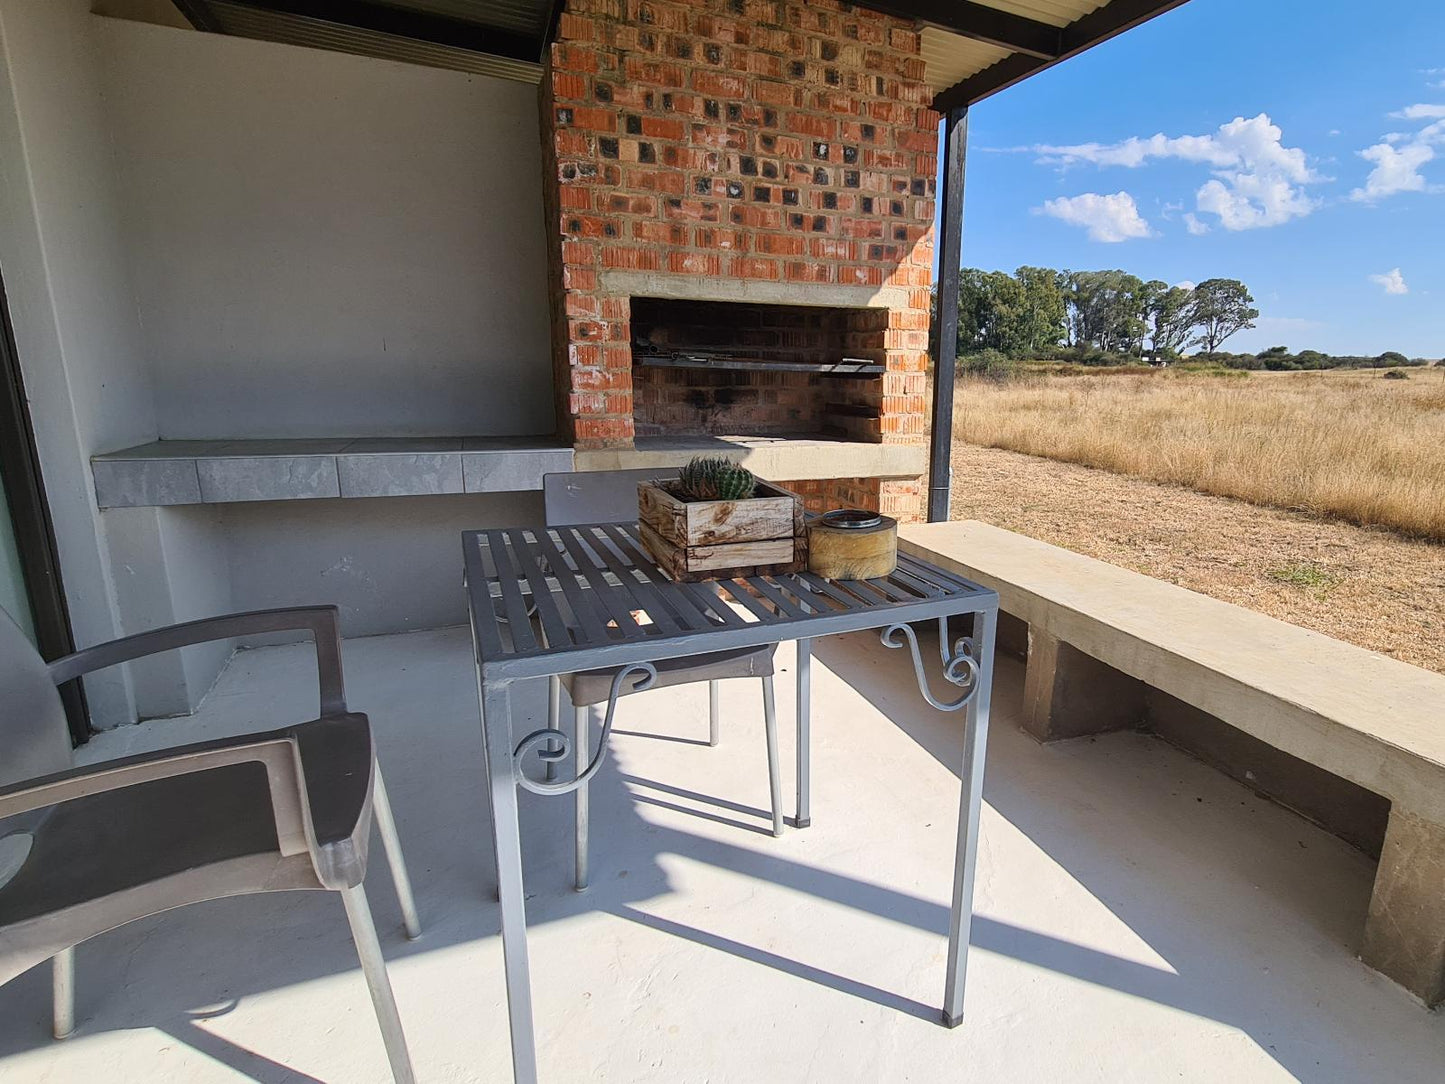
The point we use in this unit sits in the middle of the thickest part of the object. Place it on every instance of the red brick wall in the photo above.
(901, 499)
(775, 140)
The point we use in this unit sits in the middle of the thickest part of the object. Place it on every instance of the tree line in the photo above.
(1038, 312)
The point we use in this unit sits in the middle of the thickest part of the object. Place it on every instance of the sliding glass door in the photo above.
(13, 597)
(30, 587)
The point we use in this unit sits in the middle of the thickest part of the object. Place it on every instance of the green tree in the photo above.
(1221, 307)
(1167, 311)
(1106, 310)
(1039, 321)
(989, 304)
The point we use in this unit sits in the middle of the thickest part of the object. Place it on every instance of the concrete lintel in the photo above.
(781, 460)
(1405, 929)
(706, 288)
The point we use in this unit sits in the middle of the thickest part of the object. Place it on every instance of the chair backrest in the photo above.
(596, 496)
(34, 739)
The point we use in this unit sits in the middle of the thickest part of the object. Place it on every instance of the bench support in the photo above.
(1405, 930)
(1068, 694)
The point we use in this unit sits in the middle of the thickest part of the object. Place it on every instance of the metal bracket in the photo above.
(960, 663)
(553, 746)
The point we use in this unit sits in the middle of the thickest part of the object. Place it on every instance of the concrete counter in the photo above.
(174, 472)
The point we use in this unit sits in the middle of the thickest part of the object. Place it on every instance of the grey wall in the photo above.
(392, 563)
(329, 245)
(70, 295)
(210, 237)
(171, 565)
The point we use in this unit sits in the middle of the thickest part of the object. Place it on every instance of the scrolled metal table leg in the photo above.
(960, 664)
(555, 746)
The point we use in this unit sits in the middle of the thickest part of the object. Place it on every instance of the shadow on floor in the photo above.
(1183, 886)
(1075, 804)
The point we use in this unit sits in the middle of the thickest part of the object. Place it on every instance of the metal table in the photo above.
(582, 585)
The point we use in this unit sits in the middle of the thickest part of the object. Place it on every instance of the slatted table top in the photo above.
(586, 586)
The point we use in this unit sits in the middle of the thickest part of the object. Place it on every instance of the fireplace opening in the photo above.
(723, 368)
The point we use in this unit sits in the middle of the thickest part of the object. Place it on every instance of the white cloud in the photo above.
(1398, 158)
(1193, 224)
(1257, 182)
(1186, 284)
(1395, 171)
(1252, 200)
(1107, 218)
(1420, 112)
(1392, 281)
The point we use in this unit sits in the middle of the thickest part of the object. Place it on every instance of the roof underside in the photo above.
(971, 48)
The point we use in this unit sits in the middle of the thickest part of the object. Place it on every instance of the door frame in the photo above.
(34, 531)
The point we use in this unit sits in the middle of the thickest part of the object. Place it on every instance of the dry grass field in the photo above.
(1167, 441)
(1351, 445)
(1366, 585)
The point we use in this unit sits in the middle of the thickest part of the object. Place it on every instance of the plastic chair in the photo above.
(611, 497)
(89, 849)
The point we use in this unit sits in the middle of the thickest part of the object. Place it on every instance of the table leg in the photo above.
(805, 741)
(554, 719)
(506, 841)
(970, 804)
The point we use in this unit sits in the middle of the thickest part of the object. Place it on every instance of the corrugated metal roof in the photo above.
(519, 28)
(949, 58)
(249, 22)
(1053, 12)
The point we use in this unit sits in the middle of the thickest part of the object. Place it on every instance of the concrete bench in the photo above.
(1350, 738)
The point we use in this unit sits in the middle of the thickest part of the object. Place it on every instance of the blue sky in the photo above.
(1284, 201)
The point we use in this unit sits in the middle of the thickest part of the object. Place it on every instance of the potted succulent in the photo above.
(716, 520)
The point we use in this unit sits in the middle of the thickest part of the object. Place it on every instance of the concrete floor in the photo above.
(1141, 918)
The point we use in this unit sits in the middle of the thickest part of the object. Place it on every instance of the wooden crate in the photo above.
(714, 540)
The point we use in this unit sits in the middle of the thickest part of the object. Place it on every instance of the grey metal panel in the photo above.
(596, 496)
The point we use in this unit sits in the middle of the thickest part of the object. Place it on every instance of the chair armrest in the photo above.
(323, 622)
(337, 760)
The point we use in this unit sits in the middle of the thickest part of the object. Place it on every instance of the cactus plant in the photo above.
(715, 478)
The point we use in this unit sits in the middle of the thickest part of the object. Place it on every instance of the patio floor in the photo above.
(1140, 917)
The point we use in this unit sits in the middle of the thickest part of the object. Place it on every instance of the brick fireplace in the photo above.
(742, 195)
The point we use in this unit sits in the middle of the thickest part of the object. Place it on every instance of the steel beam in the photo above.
(410, 23)
(945, 343)
(199, 14)
(1109, 21)
(980, 22)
